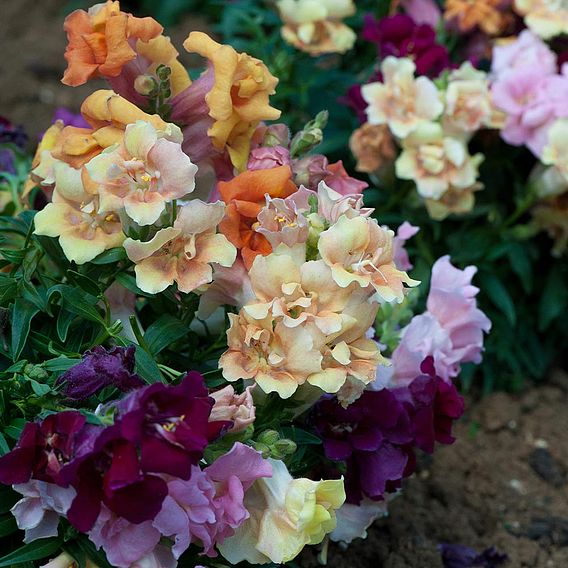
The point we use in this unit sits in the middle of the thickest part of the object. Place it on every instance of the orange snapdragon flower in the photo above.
(483, 14)
(245, 197)
(108, 114)
(239, 98)
(98, 41)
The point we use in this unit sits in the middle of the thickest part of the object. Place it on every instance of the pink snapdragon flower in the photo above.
(38, 512)
(533, 100)
(451, 330)
(267, 157)
(403, 233)
(528, 50)
(237, 408)
(125, 543)
(208, 507)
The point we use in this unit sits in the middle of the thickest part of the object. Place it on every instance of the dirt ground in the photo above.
(502, 484)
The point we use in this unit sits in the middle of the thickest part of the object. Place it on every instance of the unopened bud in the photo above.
(35, 372)
(144, 85)
(263, 449)
(310, 136)
(285, 446)
(269, 437)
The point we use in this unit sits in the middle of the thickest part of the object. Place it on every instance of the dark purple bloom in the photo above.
(43, 449)
(376, 435)
(373, 436)
(158, 429)
(400, 36)
(11, 134)
(436, 405)
(69, 118)
(101, 368)
(459, 556)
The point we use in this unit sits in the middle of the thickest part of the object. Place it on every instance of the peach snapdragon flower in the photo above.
(359, 250)
(277, 357)
(182, 253)
(546, 18)
(237, 98)
(74, 217)
(297, 293)
(315, 26)
(487, 15)
(401, 101)
(282, 220)
(100, 41)
(373, 147)
(286, 514)
(468, 101)
(144, 173)
(437, 162)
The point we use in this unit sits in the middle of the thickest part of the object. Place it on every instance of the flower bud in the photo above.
(269, 437)
(145, 85)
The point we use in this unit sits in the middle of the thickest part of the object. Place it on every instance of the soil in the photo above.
(503, 483)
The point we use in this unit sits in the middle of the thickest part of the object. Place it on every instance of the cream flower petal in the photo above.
(139, 138)
(155, 274)
(138, 250)
(215, 248)
(193, 274)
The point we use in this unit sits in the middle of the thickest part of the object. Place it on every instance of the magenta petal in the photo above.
(160, 456)
(337, 449)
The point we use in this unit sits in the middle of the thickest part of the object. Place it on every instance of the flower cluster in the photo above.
(314, 296)
(177, 229)
(419, 104)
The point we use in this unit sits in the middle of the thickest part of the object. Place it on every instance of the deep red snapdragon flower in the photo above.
(158, 429)
(401, 36)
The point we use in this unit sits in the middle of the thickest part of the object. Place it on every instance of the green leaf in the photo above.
(146, 367)
(554, 298)
(22, 314)
(78, 302)
(59, 364)
(64, 320)
(4, 447)
(110, 256)
(163, 332)
(8, 289)
(8, 498)
(499, 295)
(521, 265)
(300, 436)
(35, 550)
(8, 525)
(84, 282)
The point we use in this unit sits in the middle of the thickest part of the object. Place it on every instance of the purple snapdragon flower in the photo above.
(401, 36)
(377, 435)
(373, 436)
(12, 134)
(100, 368)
